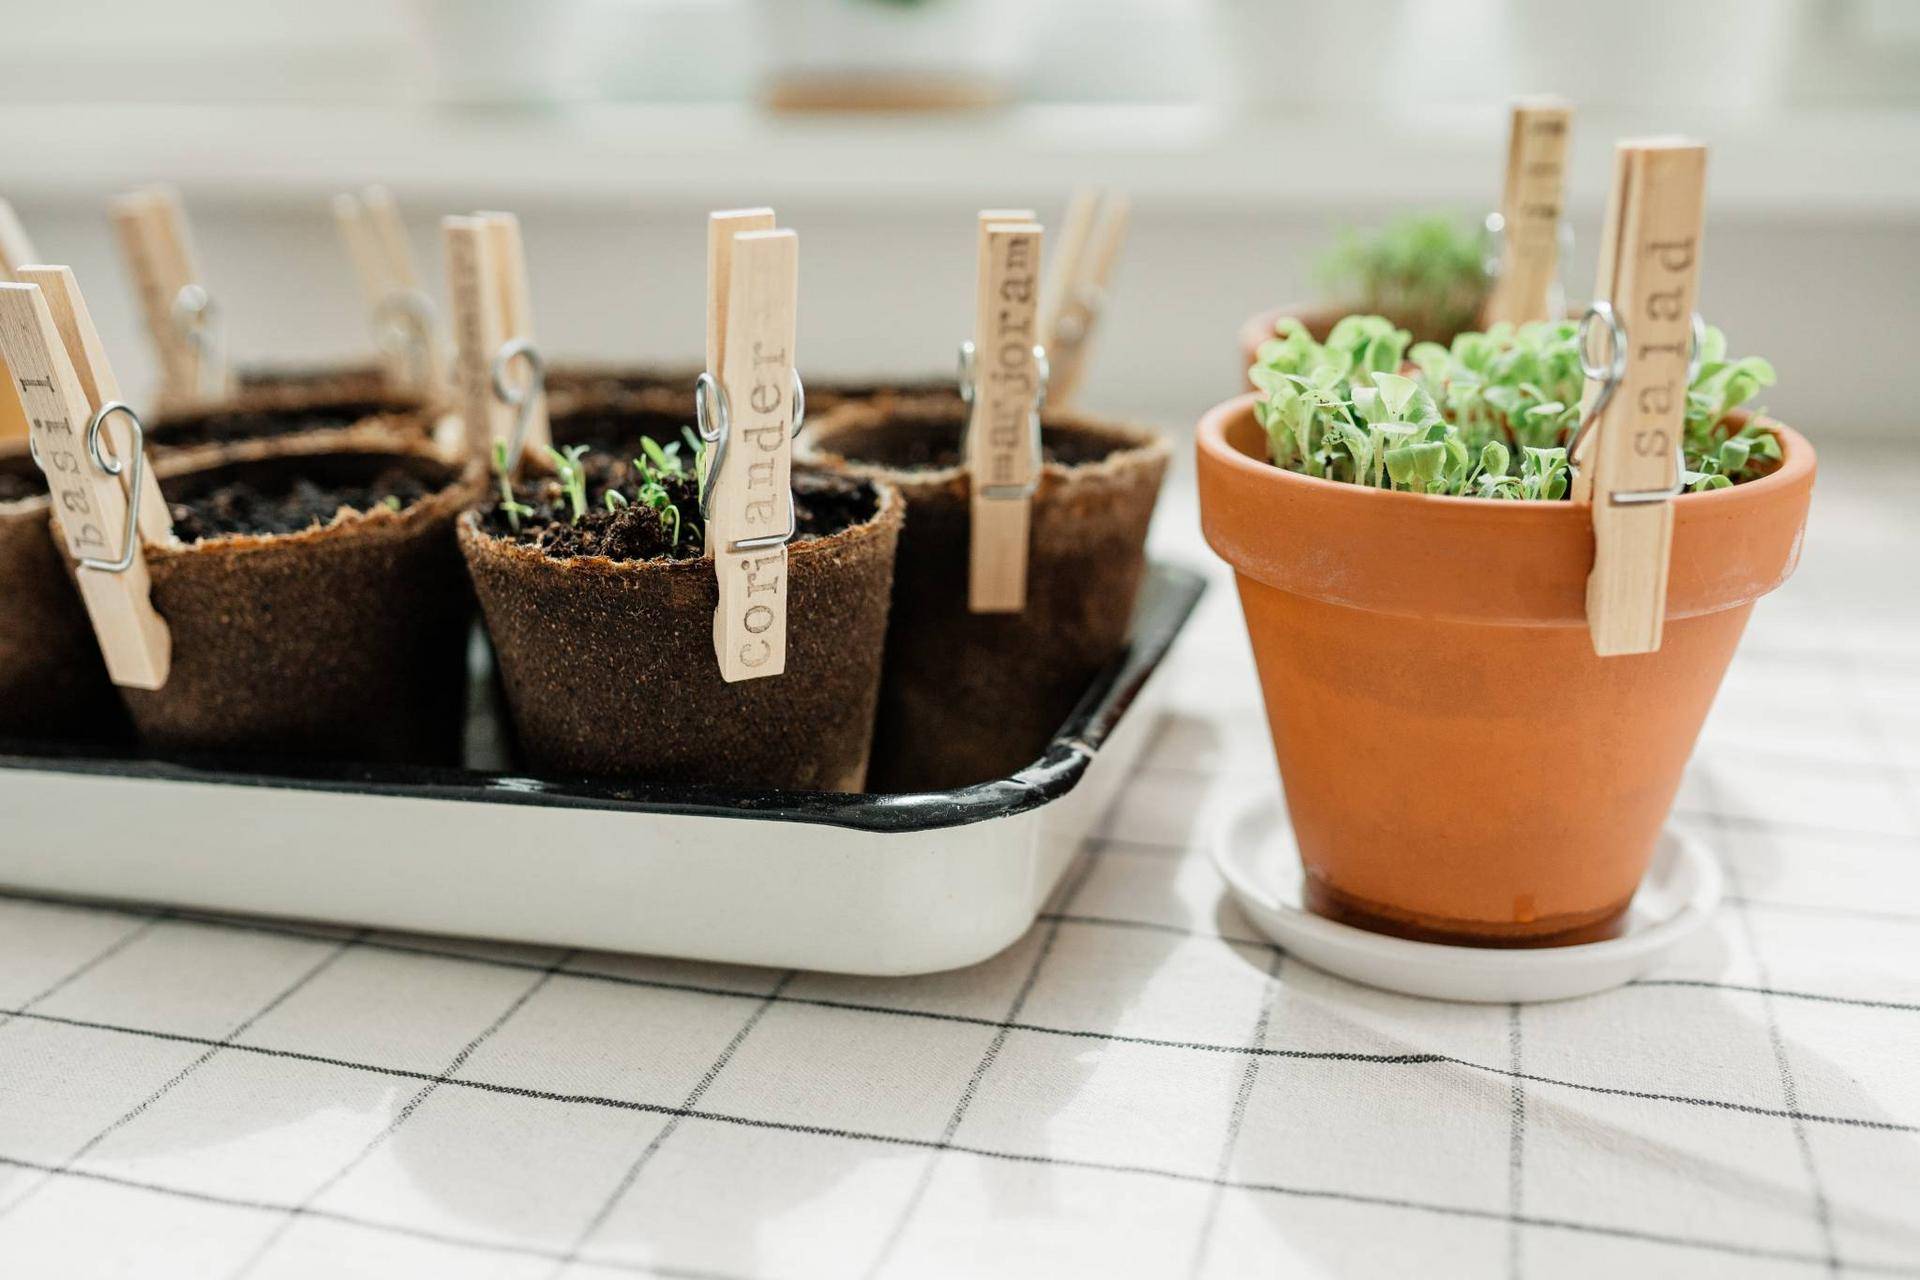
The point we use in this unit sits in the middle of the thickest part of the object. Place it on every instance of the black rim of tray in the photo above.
(1167, 599)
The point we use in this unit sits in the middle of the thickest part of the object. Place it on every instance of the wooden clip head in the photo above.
(157, 245)
(748, 419)
(491, 307)
(1649, 278)
(1003, 424)
(1530, 213)
(97, 478)
(16, 251)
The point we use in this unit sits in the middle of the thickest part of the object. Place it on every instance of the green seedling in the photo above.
(504, 474)
(1429, 270)
(1369, 407)
(572, 474)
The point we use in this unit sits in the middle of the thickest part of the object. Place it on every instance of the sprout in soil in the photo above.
(391, 502)
(508, 504)
(1370, 407)
(1427, 270)
(572, 475)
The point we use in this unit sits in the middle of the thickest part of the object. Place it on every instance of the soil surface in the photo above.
(823, 504)
(18, 484)
(937, 447)
(287, 504)
(617, 429)
(228, 426)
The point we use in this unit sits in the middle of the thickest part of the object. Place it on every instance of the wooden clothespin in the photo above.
(16, 251)
(1073, 294)
(105, 500)
(403, 321)
(493, 327)
(155, 241)
(1628, 460)
(1530, 213)
(1003, 425)
(748, 418)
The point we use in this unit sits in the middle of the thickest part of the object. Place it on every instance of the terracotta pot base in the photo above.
(1376, 917)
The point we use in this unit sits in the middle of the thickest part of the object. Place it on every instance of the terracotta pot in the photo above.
(970, 697)
(52, 681)
(1457, 762)
(344, 642)
(609, 670)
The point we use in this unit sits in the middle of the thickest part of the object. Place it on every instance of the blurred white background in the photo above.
(1247, 133)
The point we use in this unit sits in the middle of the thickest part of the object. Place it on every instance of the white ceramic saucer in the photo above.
(1253, 847)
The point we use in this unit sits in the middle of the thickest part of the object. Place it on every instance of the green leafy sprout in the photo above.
(1371, 407)
(1426, 270)
(503, 472)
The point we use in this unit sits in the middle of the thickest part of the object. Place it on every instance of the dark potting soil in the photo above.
(936, 446)
(20, 482)
(823, 504)
(277, 504)
(616, 429)
(228, 426)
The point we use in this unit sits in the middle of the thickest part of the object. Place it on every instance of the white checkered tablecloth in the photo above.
(1140, 1087)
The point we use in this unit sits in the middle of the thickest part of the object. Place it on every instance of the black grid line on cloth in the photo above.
(1731, 1248)
(80, 1153)
(490, 1245)
(672, 1126)
(1203, 1241)
(1298, 1055)
(112, 949)
(1408, 1059)
(374, 943)
(1081, 873)
(1516, 1145)
(1789, 1088)
(304, 1206)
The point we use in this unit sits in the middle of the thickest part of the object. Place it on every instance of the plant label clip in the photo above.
(91, 447)
(749, 412)
(181, 318)
(1074, 293)
(1634, 413)
(493, 329)
(405, 328)
(16, 250)
(1003, 379)
(1527, 229)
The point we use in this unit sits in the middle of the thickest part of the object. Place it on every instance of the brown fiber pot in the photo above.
(52, 681)
(969, 697)
(609, 667)
(1457, 762)
(344, 642)
(273, 424)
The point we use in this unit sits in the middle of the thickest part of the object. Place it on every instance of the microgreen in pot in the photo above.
(1489, 416)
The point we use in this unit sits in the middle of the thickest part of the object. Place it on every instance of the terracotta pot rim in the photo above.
(1258, 327)
(440, 504)
(1142, 443)
(1534, 556)
(1794, 466)
(889, 513)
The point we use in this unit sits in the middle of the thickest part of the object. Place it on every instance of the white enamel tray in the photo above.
(871, 884)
